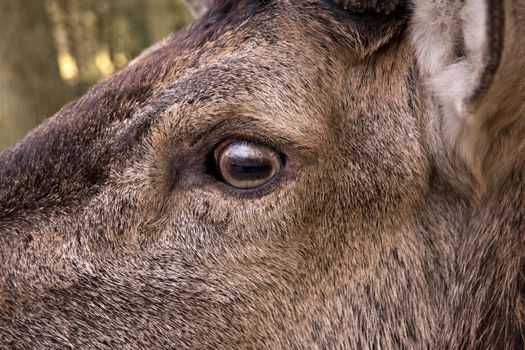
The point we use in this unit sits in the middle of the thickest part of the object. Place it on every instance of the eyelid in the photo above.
(254, 130)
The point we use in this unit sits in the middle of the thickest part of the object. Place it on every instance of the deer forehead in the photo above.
(298, 89)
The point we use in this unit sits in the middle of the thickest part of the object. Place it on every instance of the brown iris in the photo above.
(247, 165)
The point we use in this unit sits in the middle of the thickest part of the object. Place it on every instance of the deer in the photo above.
(281, 174)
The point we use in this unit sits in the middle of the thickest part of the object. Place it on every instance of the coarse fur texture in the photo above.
(397, 223)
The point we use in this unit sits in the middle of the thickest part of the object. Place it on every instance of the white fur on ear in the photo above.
(451, 38)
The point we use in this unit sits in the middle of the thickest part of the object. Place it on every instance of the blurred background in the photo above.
(52, 51)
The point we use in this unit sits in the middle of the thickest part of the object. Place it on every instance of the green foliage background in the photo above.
(52, 51)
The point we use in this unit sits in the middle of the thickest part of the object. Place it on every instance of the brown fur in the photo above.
(376, 235)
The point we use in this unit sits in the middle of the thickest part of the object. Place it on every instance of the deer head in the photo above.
(281, 174)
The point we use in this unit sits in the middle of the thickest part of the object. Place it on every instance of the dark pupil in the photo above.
(250, 169)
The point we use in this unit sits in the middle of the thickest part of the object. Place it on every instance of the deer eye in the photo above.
(247, 165)
(377, 6)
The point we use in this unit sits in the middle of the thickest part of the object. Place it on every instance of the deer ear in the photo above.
(460, 50)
